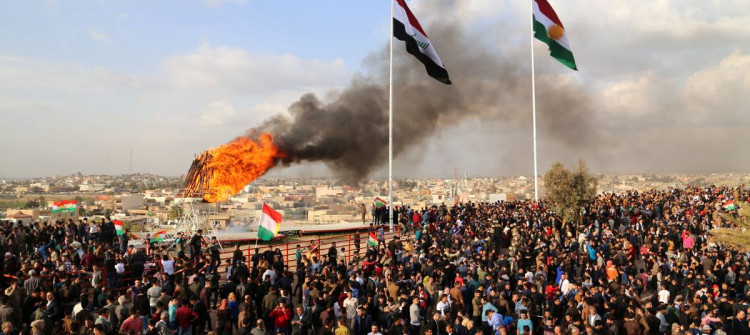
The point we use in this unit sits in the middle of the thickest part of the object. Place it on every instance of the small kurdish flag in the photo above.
(373, 240)
(380, 202)
(118, 227)
(729, 205)
(549, 29)
(64, 206)
(158, 236)
(270, 223)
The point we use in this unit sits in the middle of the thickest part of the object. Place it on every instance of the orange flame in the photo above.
(238, 163)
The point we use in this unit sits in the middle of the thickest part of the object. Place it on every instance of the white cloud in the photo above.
(227, 70)
(218, 113)
(99, 36)
(219, 3)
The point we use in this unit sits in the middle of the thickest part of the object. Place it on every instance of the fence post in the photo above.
(319, 247)
(348, 248)
(286, 261)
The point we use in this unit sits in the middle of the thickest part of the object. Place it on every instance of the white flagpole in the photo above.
(257, 232)
(390, 127)
(533, 103)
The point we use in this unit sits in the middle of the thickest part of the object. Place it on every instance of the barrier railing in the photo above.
(355, 244)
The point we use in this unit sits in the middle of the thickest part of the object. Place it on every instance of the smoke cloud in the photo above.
(350, 131)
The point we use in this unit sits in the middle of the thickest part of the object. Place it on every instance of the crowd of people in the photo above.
(637, 263)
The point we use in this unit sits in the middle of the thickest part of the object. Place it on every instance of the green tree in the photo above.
(175, 212)
(569, 191)
(737, 237)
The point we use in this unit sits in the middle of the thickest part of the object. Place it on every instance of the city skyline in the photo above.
(661, 83)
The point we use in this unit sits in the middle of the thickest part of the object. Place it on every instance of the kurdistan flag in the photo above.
(118, 227)
(158, 236)
(380, 202)
(373, 240)
(64, 206)
(729, 205)
(270, 223)
(549, 29)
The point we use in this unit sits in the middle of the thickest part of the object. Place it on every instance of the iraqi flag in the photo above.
(270, 223)
(549, 29)
(407, 28)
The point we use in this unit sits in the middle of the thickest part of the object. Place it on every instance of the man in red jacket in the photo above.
(185, 317)
(281, 316)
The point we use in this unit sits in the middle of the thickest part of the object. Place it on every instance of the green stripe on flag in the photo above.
(265, 234)
(556, 50)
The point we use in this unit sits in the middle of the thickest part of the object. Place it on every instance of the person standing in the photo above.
(281, 316)
(414, 322)
(185, 318)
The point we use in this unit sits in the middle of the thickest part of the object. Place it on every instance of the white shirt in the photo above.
(77, 308)
(565, 287)
(270, 274)
(120, 268)
(351, 305)
(663, 296)
(168, 266)
(441, 306)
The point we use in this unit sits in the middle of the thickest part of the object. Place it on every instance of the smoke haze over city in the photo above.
(648, 96)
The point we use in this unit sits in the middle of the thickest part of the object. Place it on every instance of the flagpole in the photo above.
(256, 234)
(390, 126)
(533, 103)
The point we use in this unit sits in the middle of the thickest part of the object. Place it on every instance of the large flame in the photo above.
(238, 163)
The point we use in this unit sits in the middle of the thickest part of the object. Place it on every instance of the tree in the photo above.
(175, 212)
(569, 191)
(737, 237)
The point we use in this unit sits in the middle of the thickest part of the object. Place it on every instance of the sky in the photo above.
(83, 83)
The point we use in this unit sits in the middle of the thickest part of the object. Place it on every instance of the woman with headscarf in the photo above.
(223, 318)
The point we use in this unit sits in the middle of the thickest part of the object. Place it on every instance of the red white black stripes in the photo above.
(407, 28)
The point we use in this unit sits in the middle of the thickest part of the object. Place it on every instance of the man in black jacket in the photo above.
(739, 323)
(301, 322)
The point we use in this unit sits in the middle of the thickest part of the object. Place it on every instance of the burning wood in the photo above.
(197, 182)
(218, 174)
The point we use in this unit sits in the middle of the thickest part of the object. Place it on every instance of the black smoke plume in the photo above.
(350, 132)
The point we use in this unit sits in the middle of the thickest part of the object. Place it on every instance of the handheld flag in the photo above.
(407, 28)
(270, 223)
(158, 236)
(118, 227)
(64, 206)
(549, 29)
(729, 205)
(373, 240)
(380, 202)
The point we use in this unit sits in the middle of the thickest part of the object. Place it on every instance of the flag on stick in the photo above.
(407, 28)
(270, 223)
(64, 206)
(118, 227)
(373, 240)
(549, 29)
(380, 202)
(158, 236)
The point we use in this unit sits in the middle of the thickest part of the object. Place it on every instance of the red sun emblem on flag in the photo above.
(555, 32)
